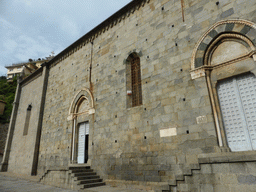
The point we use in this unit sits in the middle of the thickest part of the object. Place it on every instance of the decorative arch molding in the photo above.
(81, 96)
(237, 28)
(225, 37)
(109, 23)
(132, 54)
(226, 50)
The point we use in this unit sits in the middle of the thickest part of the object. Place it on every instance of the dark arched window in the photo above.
(26, 125)
(134, 80)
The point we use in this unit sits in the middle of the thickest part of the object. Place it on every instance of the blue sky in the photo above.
(35, 28)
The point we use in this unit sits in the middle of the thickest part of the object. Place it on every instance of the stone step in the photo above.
(89, 181)
(87, 177)
(79, 168)
(84, 174)
(93, 185)
(82, 170)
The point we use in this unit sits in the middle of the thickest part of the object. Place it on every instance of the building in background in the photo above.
(24, 69)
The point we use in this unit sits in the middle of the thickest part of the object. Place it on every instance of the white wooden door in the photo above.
(83, 130)
(247, 90)
(237, 97)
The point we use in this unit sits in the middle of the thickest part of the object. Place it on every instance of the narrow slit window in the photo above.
(25, 131)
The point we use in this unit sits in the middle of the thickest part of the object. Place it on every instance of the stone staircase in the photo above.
(85, 177)
(187, 172)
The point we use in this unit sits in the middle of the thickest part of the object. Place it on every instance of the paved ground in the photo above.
(19, 183)
(12, 184)
(110, 189)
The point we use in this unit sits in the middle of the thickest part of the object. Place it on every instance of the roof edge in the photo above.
(31, 76)
(101, 28)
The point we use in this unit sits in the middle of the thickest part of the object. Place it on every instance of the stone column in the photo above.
(215, 114)
(40, 120)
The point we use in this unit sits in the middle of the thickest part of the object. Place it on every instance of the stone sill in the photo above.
(79, 165)
(135, 107)
(227, 157)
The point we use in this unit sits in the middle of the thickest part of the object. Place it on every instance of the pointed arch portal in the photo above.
(81, 107)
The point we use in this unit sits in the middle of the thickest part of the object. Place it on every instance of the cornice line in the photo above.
(112, 21)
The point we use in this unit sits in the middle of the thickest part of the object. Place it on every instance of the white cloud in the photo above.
(28, 2)
(70, 27)
(17, 46)
(35, 28)
(7, 26)
(3, 71)
(9, 45)
(20, 47)
(34, 48)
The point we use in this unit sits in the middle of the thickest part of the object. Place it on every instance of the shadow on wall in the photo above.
(3, 136)
(1, 155)
(2, 106)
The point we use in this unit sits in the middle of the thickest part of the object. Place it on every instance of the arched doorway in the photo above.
(81, 109)
(225, 56)
(237, 100)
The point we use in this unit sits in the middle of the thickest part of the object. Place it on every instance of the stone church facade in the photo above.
(160, 96)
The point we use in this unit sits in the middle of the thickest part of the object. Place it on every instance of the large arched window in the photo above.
(134, 90)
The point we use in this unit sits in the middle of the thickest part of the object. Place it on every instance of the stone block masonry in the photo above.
(160, 141)
(24, 131)
(219, 175)
(22, 150)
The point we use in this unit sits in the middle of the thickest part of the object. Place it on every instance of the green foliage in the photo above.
(7, 94)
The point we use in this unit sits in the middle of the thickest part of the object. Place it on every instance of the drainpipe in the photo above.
(215, 115)
(90, 75)
(182, 10)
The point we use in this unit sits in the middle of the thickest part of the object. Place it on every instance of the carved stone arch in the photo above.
(132, 56)
(80, 109)
(82, 105)
(227, 50)
(79, 99)
(231, 40)
(238, 26)
(132, 53)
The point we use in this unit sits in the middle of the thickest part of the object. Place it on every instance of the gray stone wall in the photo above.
(233, 177)
(65, 80)
(23, 146)
(154, 142)
(59, 178)
(126, 142)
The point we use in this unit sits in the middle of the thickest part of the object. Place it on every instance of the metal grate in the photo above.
(136, 82)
